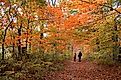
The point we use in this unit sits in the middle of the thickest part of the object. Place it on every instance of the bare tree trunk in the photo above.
(19, 42)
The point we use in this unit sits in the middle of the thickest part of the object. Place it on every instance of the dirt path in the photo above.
(86, 70)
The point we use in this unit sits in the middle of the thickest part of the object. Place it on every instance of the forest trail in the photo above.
(85, 70)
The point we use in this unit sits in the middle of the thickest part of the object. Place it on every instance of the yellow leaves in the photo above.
(95, 1)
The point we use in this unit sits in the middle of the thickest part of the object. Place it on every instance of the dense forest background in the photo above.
(37, 36)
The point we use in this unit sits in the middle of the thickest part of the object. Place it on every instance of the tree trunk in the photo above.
(13, 45)
(27, 35)
(30, 39)
(3, 41)
(115, 40)
(3, 50)
(19, 43)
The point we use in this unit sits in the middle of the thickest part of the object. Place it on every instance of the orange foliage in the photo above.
(60, 22)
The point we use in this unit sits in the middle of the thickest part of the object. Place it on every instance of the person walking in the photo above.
(79, 56)
(74, 56)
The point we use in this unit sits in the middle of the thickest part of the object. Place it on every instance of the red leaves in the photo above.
(56, 12)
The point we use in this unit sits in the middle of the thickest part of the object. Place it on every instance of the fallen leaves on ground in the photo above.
(85, 70)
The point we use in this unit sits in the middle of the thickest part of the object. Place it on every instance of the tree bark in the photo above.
(27, 35)
(19, 42)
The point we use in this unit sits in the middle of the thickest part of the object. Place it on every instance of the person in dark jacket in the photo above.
(74, 56)
(79, 56)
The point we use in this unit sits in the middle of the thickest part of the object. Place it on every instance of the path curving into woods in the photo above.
(85, 70)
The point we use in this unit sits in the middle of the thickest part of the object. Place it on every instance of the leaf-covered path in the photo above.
(86, 70)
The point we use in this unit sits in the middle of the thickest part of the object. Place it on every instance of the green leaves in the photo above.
(74, 11)
(41, 2)
(119, 1)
